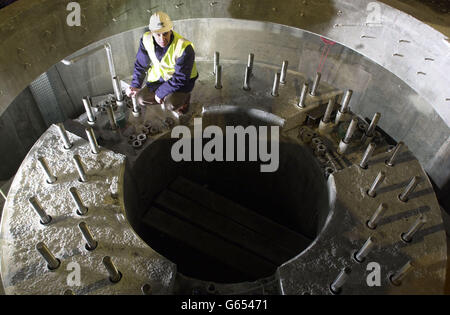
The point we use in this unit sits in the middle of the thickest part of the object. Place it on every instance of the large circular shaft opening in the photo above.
(227, 221)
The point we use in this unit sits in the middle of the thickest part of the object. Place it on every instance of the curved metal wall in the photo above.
(36, 36)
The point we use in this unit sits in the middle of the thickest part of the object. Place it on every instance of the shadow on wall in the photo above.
(301, 13)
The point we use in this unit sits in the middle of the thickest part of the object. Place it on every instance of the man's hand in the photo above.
(131, 91)
(158, 99)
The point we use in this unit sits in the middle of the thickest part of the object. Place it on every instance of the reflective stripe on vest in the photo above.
(166, 67)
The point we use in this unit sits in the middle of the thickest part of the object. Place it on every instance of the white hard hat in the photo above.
(160, 22)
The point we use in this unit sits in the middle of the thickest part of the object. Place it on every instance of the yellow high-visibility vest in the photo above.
(166, 67)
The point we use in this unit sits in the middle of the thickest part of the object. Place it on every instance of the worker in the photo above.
(169, 62)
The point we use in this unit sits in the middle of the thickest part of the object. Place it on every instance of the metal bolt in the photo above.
(112, 119)
(91, 243)
(135, 105)
(373, 125)
(394, 155)
(219, 77)
(50, 178)
(346, 101)
(92, 140)
(251, 57)
(380, 178)
(365, 249)
(315, 84)
(45, 218)
(336, 286)
(409, 189)
(301, 102)
(146, 289)
(110, 58)
(351, 130)
(407, 237)
(117, 89)
(397, 277)
(247, 79)
(216, 61)
(52, 262)
(276, 84)
(88, 107)
(64, 137)
(284, 72)
(81, 209)
(369, 151)
(80, 168)
(327, 116)
(114, 274)
(372, 223)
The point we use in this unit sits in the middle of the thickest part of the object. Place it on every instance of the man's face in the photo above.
(162, 39)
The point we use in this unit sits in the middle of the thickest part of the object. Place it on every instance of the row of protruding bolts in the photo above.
(54, 263)
(91, 119)
(368, 135)
(395, 278)
(280, 78)
(51, 179)
(361, 254)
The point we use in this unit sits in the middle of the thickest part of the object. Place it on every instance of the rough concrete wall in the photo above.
(28, 116)
(20, 126)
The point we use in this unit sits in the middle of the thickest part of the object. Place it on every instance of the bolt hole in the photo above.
(51, 183)
(387, 163)
(40, 221)
(335, 292)
(211, 288)
(146, 289)
(397, 284)
(120, 278)
(82, 214)
(89, 248)
(53, 269)
(356, 259)
(403, 239)
(367, 224)
(404, 201)
(374, 194)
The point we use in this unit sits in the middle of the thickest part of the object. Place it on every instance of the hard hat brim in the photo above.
(162, 30)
